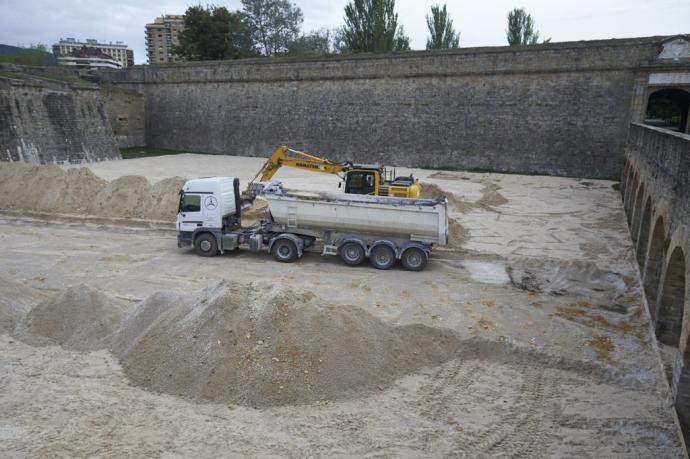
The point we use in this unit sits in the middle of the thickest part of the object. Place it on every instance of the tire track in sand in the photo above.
(522, 430)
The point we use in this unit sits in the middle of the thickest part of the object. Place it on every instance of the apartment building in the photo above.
(89, 59)
(118, 50)
(161, 36)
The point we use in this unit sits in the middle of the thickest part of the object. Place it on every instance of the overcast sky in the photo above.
(481, 23)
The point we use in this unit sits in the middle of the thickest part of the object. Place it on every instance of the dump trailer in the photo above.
(353, 227)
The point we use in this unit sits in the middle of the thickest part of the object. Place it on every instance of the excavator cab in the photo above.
(362, 182)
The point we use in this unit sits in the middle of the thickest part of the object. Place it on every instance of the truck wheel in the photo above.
(414, 259)
(284, 250)
(205, 245)
(382, 257)
(352, 253)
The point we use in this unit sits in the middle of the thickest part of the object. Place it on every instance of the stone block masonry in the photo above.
(126, 111)
(656, 194)
(560, 108)
(46, 122)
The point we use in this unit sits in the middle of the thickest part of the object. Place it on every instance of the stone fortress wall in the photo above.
(561, 108)
(50, 122)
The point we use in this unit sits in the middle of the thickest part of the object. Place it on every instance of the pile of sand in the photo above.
(262, 345)
(16, 300)
(78, 191)
(603, 288)
(490, 197)
(457, 234)
(257, 212)
(431, 190)
(79, 318)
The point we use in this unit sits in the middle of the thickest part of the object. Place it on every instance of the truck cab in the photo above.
(210, 204)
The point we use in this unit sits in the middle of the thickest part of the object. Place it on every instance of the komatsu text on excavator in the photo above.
(370, 179)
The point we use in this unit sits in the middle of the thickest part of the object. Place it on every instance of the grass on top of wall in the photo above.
(43, 76)
(145, 152)
(482, 170)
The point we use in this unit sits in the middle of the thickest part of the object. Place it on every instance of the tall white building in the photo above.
(118, 50)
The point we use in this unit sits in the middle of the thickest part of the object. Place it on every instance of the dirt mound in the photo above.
(431, 190)
(16, 300)
(123, 197)
(256, 213)
(48, 188)
(79, 318)
(164, 199)
(457, 234)
(78, 191)
(262, 345)
(606, 289)
(491, 197)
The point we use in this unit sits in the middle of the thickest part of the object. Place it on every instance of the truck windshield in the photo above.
(190, 203)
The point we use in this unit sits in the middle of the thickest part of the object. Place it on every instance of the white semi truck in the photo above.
(354, 227)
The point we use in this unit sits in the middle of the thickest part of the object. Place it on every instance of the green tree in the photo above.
(371, 26)
(442, 35)
(316, 43)
(214, 33)
(274, 24)
(521, 29)
(33, 55)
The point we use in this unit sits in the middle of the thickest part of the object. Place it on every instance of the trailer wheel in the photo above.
(205, 245)
(352, 253)
(382, 257)
(414, 259)
(284, 250)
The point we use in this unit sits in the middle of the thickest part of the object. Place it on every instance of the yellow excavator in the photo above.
(371, 179)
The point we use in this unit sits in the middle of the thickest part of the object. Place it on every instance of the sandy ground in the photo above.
(556, 356)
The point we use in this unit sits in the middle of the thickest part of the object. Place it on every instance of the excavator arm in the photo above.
(286, 156)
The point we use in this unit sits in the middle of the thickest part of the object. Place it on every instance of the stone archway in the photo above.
(669, 320)
(631, 198)
(668, 108)
(653, 266)
(643, 239)
(637, 213)
(669, 326)
(624, 179)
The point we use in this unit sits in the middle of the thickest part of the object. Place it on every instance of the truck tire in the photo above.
(284, 250)
(414, 259)
(382, 257)
(352, 253)
(205, 245)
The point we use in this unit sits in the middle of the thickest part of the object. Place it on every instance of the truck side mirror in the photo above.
(340, 184)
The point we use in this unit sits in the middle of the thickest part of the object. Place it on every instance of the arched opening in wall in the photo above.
(624, 179)
(652, 269)
(643, 239)
(628, 189)
(631, 199)
(670, 317)
(683, 396)
(668, 108)
(673, 299)
(637, 214)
